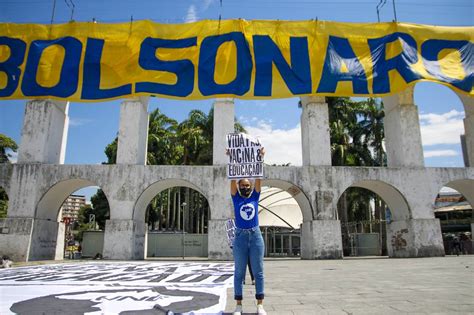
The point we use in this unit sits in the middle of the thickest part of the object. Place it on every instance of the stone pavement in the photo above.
(441, 285)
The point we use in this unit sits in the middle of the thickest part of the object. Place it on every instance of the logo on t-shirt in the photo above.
(247, 211)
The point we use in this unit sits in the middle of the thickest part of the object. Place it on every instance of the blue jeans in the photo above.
(248, 243)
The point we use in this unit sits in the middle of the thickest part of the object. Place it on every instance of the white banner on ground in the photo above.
(245, 159)
(116, 288)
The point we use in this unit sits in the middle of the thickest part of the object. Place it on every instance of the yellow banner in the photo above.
(234, 58)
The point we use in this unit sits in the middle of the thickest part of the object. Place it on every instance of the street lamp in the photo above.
(183, 205)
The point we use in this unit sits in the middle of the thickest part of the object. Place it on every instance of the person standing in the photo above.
(248, 242)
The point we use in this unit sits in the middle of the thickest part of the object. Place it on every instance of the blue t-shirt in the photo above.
(246, 210)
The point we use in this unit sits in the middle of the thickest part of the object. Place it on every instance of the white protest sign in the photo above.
(245, 159)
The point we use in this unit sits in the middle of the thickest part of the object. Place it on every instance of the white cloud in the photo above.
(206, 4)
(439, 153)
(281, 146)
(191, 16)
(441, 128)
(74, 122)
(13, 156)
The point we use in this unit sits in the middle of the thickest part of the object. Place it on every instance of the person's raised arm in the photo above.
(233, 187)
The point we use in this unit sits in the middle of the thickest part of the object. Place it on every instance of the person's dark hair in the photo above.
(238, 183)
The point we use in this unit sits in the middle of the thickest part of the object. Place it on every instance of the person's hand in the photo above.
(262, 151)
(227, 151)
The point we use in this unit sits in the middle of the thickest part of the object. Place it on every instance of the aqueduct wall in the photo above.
(39, 183)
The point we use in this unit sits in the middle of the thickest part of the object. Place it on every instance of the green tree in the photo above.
(5, 144)
(99, 208)
(170, 143)
(346, 150)
(111, 152)
(163, 146)
(370, 131)
(192, 137)
(357, 136)
(3, 203)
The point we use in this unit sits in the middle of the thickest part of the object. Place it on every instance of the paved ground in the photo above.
(442, 285)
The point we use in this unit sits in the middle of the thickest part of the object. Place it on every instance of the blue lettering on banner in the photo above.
(11, 66)
(207, 65)
(183, 69)
(69, 76)
(91, 84)
(297, 77)
(401, 62)
(339, 51)
(430, 51)
(292, 64)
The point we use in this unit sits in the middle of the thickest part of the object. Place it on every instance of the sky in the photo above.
(275, 122)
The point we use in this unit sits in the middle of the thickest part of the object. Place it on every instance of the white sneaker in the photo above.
(260, 310)
(238, 310)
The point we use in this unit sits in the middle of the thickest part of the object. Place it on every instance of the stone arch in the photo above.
(49, 204)
(296, 192)
(152, 190)
(395, 200)
(304, 204)
(48, 234)
(455, 224)
(463, 186)
(139, 210)
(396, 203)
(467, 102)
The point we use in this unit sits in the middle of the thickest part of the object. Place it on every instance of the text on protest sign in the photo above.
(245, 159)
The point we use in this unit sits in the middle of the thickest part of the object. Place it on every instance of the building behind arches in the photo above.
(39, 182)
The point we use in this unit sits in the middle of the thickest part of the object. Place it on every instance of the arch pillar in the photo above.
(133, 131)
(223, 125)
(321, 236)
(321, 239)
(315, 138)
(415, 232)
(43, 141)
(221, 207)
(414, 238)
(219, 198)
(45, 238)
(17, 228)
(468, 103)
(44, 132)
(125, 233)
(402, 130)
(125, 239)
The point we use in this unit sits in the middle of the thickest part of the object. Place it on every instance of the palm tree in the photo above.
(342, 122)
(162, 139)
(170, 143)
(371, 130)
(191, 136)
(356, 140)
(6, 143)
